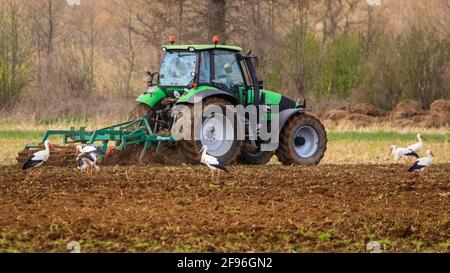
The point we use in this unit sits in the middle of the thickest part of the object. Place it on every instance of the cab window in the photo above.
(227, 72)
(177, 69)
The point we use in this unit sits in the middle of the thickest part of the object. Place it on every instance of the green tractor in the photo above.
(204, 77)
(221, 75)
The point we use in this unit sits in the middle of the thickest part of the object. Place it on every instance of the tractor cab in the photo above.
(185, 70)
(190, 67)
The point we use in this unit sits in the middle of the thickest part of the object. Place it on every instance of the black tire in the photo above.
(293, 139)
(191, 148)
(249, 157)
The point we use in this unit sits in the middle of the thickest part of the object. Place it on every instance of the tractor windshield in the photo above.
(178, 69)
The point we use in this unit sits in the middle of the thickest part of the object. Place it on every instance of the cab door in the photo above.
(227, 73)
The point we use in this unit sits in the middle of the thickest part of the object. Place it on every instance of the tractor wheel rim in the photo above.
(306, 141)
(217, 135)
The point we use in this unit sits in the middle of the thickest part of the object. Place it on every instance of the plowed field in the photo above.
(266, 208)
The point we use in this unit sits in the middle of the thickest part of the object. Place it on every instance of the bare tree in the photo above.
(302, 9)
(337, 17)
(216, 11)
(45, 16)
(125, 32)
(13, 53)
(443, 18)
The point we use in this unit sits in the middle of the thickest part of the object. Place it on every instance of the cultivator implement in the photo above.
(132, 138)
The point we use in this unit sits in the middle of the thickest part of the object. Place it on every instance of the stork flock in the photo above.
(411, 152)
(86, 158)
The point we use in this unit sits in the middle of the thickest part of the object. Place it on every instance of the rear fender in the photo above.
(194, 96)
(151, 99)
(287, 114)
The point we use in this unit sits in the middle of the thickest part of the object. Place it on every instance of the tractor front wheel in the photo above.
(251, 155)
(303, 141)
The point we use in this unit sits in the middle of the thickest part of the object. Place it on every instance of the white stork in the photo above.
(416, 147)
(87, 158)
(38, 158)
(423, 163)
(401, 153)
(213, 164)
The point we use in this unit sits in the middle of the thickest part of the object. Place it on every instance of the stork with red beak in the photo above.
(213, 164)
(38, 159)
(423, 163)
(402, 153)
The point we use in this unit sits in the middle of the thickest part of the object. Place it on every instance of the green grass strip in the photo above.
(332, 136)
(381, 135)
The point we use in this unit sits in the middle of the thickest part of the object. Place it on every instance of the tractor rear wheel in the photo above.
(303, 140)
(215, 131)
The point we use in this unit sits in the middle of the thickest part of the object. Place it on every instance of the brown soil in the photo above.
(407, 109)
(334, 114)
(440, 107)
(365, 109)
(265, 208)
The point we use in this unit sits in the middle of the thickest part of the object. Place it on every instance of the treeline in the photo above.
(58, 60)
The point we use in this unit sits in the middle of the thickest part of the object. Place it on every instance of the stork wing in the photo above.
(98, 152)
(416, 166)
(31, 162)
(212, 160)
(39, 155)
(89, 149)
(412, 154)
(220, 166)
(414, 147)
(80, 161)
(88, 156)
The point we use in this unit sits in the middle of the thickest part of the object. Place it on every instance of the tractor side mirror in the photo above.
(151, 78)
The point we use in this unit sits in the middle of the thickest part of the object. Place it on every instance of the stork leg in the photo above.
(217, 177)
(212, 176)
(35, 173)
